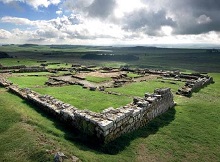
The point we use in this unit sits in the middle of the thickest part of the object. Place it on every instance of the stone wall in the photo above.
(109, 124)
(12, 67)
(194, 84)
(4, 82)
(32, 69)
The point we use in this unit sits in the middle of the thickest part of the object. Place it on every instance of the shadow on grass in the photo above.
(83, 142)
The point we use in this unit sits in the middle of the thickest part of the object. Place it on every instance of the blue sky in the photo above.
(110, 22)
(23, 10)
(20, 9)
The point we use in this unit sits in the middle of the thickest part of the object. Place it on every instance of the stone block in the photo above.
(120, 116)
(105, 124)
(151, 99)
(131, 120)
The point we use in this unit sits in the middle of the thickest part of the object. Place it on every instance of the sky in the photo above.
(110, 22)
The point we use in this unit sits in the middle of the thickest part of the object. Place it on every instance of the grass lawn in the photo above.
(16, 61)
(190, 132)
(83, 98)
(97, 79)
(140, 88)
(132, 75)
(28, 81)
(20, 141)
(58, 66)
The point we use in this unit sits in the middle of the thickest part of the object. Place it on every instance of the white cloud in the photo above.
(59, 12)
(16, 20)
(116, 21)
(35, 3)
(125, 6)
(4, 34)
(203, 19)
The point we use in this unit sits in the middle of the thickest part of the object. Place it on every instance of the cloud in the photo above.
(16, 20)
(35, 3)
(91, 8)
(59, 12)
(119, 21)
(65, 27)
(101, 8)
(4, 34)
(203, 19)
(194, 16)
(146, 21)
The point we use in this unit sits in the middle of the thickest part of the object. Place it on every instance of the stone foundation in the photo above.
(109, 124)
(195, 83)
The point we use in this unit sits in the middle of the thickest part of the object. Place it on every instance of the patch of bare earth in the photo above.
(100, 74)
(145, 78)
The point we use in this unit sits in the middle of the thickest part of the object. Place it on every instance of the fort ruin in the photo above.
(111, 123)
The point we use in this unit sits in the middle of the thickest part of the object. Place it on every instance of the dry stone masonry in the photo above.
(4, 82)
(109, 124)
(194, 83)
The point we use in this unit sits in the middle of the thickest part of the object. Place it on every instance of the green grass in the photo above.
(190, 132)
(83, 98)
(16, 61)
(132, 75)
(19, 141)
(140, 88)
(97, 79)
(28, 81)
(55, 66)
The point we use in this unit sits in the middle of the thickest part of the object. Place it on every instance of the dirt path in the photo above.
(146, 78)
(85, 82)
(100, 74)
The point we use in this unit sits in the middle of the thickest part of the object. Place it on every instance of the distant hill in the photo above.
(4, 55)
(110, 57)
(28, 45)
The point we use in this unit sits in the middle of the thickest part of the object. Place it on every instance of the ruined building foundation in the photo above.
(110, 123)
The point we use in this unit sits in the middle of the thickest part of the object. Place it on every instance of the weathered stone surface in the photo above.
(195, 84)
(105, 124)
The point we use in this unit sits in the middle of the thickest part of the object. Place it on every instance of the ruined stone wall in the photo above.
(32, 69)
(4, 82)
(109, 124)
(195, 84)
(12, 67)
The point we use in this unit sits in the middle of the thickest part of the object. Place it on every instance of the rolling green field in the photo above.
(156, 58)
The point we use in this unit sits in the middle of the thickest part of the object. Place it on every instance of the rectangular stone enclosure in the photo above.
(110, 123)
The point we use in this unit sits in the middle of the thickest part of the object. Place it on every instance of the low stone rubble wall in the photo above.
(109, 124)
(32, 69)
(194, 84)
(4, 82)
(12, 67)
